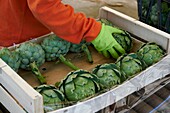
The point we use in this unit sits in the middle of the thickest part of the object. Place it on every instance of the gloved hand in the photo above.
(105, 42)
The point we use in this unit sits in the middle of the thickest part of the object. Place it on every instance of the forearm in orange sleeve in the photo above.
(62, 20)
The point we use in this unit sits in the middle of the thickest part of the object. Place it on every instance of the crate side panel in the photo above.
(21, 90)
(90, 106)
(2, 63)
(5, 99)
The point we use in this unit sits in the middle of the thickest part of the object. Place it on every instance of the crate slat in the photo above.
(9, 102)
(21, 90)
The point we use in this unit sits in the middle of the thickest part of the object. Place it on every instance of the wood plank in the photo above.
(9, 102)
(168, 86)
(21, 91)
(163, 93)
(143, 108)
(154, 100)
(132, 111)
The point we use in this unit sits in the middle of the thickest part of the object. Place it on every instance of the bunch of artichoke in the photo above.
(52, 97)
(79, 85)
(150, 53)
(156, 14)
(129, 64)
(12, 58)
(145, 6)
(121, 36)
(83, 46)
(32, 56)
(108, 74)
(55, 48)
(154, 17)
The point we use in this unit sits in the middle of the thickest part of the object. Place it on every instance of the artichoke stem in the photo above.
(37, 73)
(87, 52)
(67, 62)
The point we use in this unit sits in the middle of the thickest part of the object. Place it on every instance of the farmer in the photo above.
(22, 20)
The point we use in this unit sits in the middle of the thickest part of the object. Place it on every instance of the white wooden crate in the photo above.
(20, 95)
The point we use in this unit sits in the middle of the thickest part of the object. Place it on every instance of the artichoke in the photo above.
(123, 37)
(55, 48)
(32, 56)
(145, 7)
(155, 17)
(77, 48)
(52, 97)
(129, 64)
(79, 85)
(83, 46)
(150, 53)
(105, 21)
(11, 58)
(108, 74)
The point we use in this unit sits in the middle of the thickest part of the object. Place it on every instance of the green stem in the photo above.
(67, 62)
(37, 73)
(87, 52)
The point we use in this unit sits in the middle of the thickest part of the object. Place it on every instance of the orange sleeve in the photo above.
(62, 20)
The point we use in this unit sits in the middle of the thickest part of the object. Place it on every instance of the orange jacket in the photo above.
(21, 20)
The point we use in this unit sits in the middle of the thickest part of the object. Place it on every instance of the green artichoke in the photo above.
(77, 48)
(32, 56)
(150, 53)
(108, 74)
(129, 64)
(83, 46)
(145, 7)
(12, 58)
(55, 48)
(79, 85)
(52, 97)
(154, 14)
(105, 21)
(123, 38)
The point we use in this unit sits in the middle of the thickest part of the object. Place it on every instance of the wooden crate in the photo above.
(19, 95)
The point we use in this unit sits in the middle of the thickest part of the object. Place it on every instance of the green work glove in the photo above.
(106, 44)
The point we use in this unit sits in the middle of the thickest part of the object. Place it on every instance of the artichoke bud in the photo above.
(106, 22)
(108, 75)
(129, 64)
(52, 97)
(150, 53)
(77, 48)
(83, 46)
(12, 58)
(124, 39)
(54, 47)
(79, 85)
(31, 52)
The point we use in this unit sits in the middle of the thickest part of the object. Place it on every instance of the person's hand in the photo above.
(106, 44)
